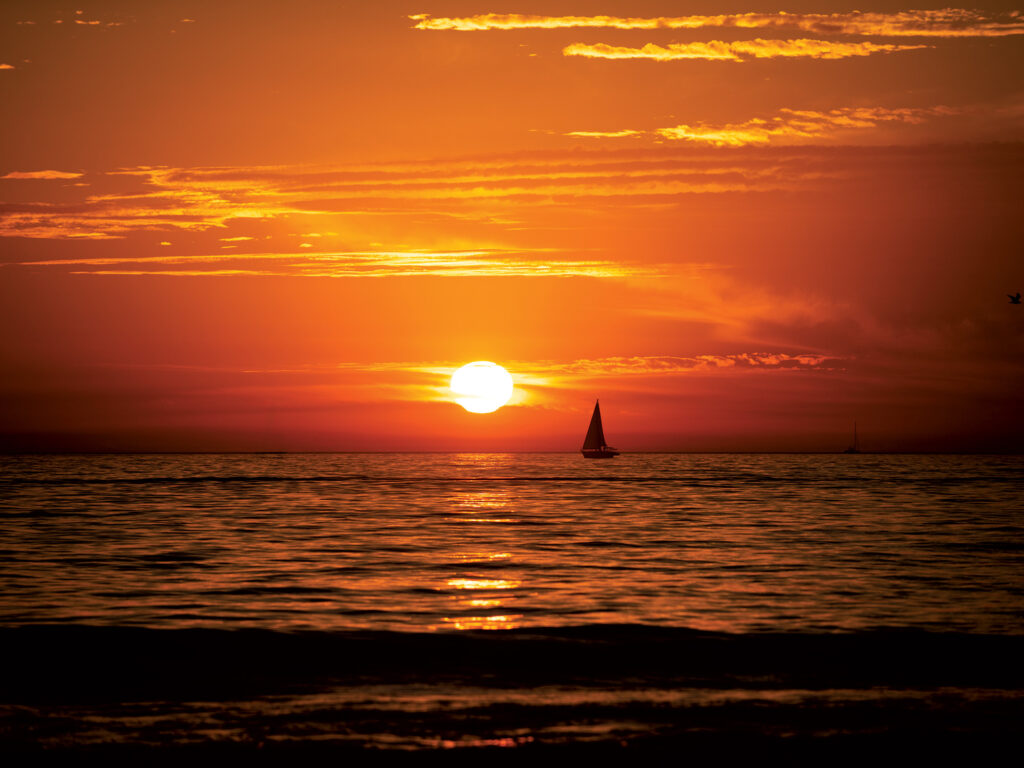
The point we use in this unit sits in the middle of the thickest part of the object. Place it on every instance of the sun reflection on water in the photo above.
(483, 583)
(479, 557)
(415, 542)
(483, 622)
(483, 603)
(504, 741)
(483, 520)
(481, 511)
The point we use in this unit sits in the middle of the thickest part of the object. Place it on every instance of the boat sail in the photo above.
(594, 446)
(855, 445)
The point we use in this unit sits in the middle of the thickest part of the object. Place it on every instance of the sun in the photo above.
(481, 387)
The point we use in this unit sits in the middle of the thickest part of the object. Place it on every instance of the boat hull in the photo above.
(599, 453)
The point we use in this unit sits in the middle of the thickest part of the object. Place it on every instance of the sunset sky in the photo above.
(281, 226)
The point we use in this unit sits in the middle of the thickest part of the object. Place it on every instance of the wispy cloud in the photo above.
(200, 199)
(539, 381)
(789, 125)
(504, 214)
(477, 263)
(76, 20)
(793, 124)
(6, 66)
(42, 175)
(738, 50)
(605, 134)
(946, 22)
(668, 365)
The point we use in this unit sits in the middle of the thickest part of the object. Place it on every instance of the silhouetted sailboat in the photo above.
(855, 445)
(594, 446)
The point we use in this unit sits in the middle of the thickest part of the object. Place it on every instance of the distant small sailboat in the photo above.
(594, 446)
(855, 445)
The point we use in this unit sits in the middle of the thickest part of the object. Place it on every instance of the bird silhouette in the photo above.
(1014, 299)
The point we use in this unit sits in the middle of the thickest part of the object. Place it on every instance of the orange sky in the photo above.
(280, 226)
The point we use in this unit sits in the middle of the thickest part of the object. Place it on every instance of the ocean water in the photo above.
(423, 603)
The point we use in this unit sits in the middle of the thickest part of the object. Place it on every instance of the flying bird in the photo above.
(1014, 299)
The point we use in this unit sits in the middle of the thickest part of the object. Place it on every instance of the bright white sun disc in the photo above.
(481, 387)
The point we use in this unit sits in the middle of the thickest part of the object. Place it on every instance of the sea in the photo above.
(432, 608)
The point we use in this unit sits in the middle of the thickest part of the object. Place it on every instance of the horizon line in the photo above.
(507, 453)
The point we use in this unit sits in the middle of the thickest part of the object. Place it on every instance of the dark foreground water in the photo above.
(427, 607)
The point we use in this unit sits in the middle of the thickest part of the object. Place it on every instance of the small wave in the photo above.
(702, 480)
(138, 661)
(170, 479)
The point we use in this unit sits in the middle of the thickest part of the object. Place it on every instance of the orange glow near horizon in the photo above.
(742, 230)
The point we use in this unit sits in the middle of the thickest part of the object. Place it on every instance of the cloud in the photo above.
(478, 263)
(605, 134)
(199, 199)
(788, 125)
(176, 272)
(539, 381)
(6, 66)
(792, 124)
(947, 22)
(672, 365)
(493, 209)
(77, 22)
(739, 50)
(42, 175)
